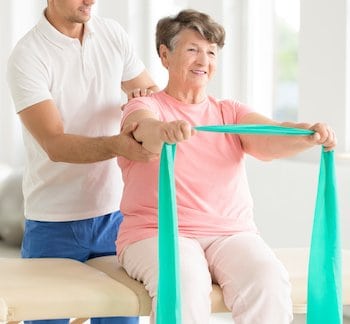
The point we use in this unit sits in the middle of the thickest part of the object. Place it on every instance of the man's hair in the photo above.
(169, 27)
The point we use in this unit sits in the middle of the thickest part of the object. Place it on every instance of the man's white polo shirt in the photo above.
(84, 81)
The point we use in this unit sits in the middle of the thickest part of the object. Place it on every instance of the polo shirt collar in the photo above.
(56, 37)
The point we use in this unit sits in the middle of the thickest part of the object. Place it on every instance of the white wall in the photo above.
(324, 65)
(16, 18)
(284, 192)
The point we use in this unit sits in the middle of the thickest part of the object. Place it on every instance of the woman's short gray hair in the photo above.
(169, 27)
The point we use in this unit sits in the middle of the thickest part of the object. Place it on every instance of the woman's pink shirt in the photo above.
(212, 192)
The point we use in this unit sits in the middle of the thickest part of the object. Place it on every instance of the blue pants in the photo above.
(78, 240)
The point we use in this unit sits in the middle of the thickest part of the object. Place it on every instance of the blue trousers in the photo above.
(78, 240)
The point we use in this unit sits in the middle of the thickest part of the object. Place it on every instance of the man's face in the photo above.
(73, 11)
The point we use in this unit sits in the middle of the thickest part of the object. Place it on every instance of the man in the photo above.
(66, 77)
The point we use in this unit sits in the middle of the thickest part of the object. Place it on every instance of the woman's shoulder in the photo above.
(232, 103)
(150, 102)
(231, 109)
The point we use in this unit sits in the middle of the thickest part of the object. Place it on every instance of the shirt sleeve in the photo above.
(233, 111)
(140, 103)
(27, 79)
(133, 66)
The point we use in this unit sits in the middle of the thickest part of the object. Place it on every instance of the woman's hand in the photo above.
(176, 131)
(324, 135)
(152, 133)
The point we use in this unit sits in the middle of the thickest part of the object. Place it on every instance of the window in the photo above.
(286, 89)
(296, 62)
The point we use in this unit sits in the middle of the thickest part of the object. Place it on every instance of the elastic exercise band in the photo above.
(324, 300)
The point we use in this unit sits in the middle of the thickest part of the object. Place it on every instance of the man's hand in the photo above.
(139, 93)
(129, 148)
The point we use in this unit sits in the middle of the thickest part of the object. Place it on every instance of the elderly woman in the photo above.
(218, 239)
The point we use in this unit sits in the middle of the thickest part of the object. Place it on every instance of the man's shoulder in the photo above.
(27, 45)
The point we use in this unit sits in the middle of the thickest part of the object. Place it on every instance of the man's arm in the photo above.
(44, 122)
(273, 147)
(142, 85)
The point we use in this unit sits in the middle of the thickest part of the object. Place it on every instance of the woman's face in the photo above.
(192, 62)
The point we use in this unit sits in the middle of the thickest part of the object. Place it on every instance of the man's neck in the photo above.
(70, 29)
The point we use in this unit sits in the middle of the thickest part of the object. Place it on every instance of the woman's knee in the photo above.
(266, 282)
(265, 292)
(270, 276)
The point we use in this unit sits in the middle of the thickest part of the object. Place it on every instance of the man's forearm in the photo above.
(80, 149)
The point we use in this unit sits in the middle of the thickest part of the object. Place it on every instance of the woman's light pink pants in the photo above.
(254, 282)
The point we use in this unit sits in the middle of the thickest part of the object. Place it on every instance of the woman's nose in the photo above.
(202, 58)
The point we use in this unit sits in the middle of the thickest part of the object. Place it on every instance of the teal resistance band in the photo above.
(325, 268)
(324, 279)
(168, 298)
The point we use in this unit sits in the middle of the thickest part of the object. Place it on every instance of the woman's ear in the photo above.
(164, 55)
